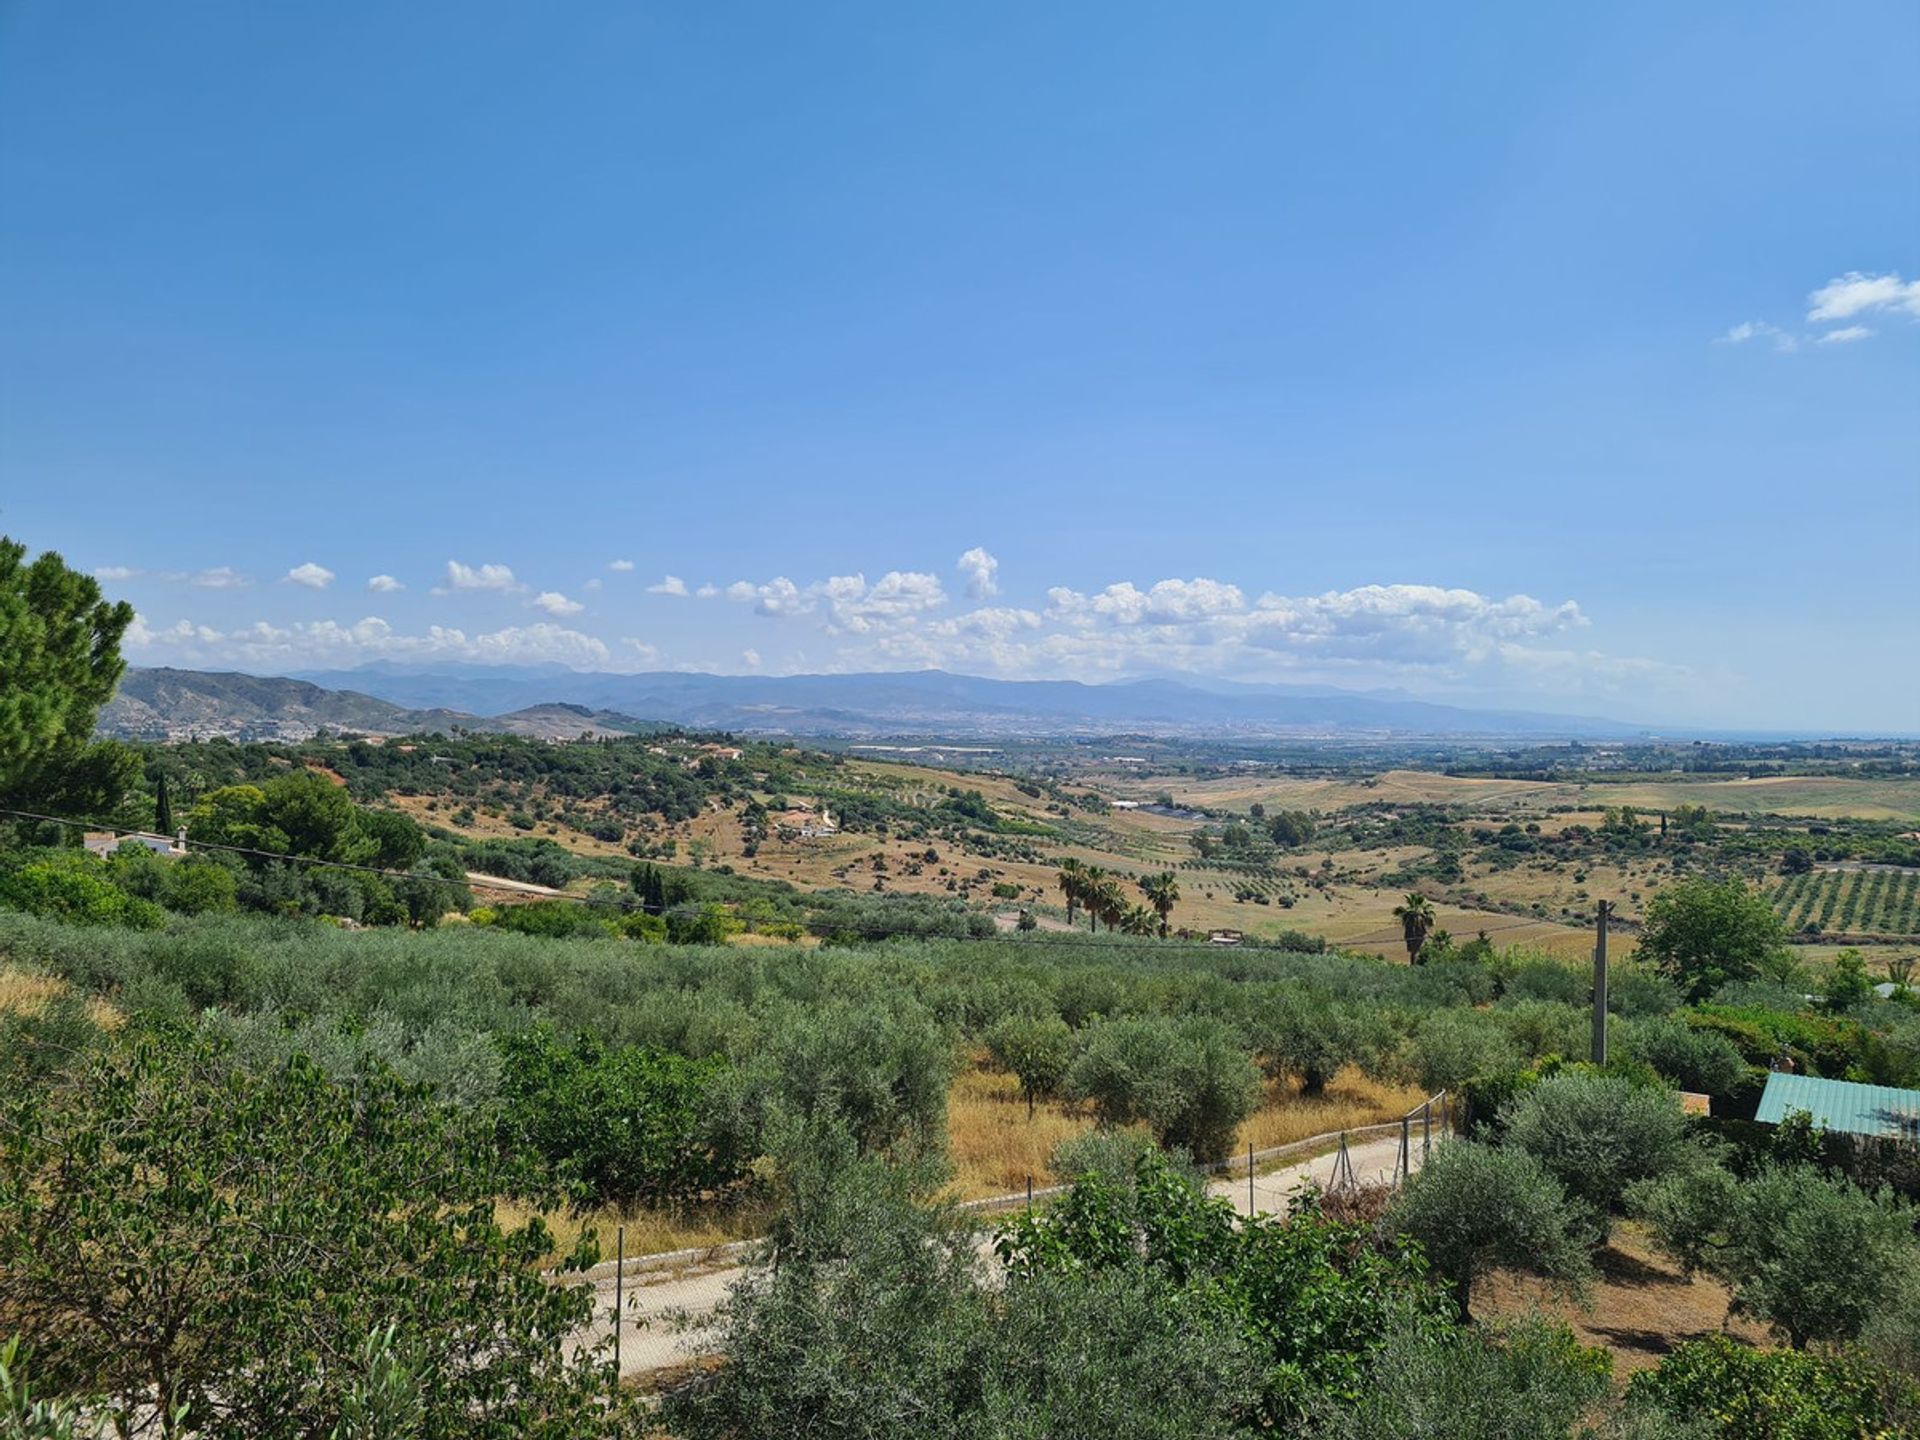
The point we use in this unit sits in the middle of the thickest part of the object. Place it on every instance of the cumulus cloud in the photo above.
(982, 573)
(269, 647)
(1847, 335)
(478, 577)
(384, 585)
(1855, 293)
(310, 576)
(554, 603)
(114, 572)
(670, 585)
(847, 603)
(621, 566)
(707, 591)
(750, 658)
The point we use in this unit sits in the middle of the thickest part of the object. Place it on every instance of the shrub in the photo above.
(1741, 1393)
(76, 888)
(278, 1216)
(626, 1123)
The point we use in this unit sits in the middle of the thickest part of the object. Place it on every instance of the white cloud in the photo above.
(1759, 330)
(707, 591)
(309, 575)
(221, 577)
(847, 602)
(554, 603)
(982, 573)
(671, 585)
(1855, 293)
(622, 566)
(114, 572)
(593, 584)
(640, 650)
(1846, 335)
(751, 658)
(328, 642)
(384, 585)
(479, 577)
(1168, 602)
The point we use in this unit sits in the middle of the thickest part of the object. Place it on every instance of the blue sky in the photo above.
(1505, 353)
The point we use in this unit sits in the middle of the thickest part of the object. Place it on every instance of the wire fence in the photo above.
(651, 1305)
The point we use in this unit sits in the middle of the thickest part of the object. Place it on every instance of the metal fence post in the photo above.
(1403, 1162)
(1249, 1180)
(1029, 1194)
(1426, 1130)
(619, 1292)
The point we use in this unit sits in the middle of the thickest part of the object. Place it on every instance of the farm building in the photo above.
(106, 842)
(1841, 1105)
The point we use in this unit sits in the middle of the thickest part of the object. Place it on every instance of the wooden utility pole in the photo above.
(1600, 983)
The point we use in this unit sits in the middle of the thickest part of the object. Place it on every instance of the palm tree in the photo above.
(1139, 920)
(1095, 884)
(1163, 893)
(1072, 881)
(1416, 923)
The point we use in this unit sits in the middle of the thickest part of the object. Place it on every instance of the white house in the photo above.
(106, 842)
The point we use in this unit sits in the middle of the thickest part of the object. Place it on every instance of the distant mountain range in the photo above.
(174, 704)
(560, 703)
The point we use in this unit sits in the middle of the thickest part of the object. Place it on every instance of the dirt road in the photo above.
(650, 1342)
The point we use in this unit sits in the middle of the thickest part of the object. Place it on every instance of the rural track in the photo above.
(656, 1295)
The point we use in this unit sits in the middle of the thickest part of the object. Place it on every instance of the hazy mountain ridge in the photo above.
(938, 702)
(167, 703)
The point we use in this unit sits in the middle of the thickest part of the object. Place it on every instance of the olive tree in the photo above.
(1598, 1134)
(1813, 1255)
(1188, 1080)
(1037, 1049)
(1475, 1208)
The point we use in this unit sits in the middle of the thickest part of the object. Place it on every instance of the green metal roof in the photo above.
(1841, 1105)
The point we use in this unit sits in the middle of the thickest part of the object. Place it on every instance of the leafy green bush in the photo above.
(77, 888)
(277, 1216)
(1747, 1394)
(628, 1125)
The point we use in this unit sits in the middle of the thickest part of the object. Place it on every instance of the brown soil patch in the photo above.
(1640, 1307)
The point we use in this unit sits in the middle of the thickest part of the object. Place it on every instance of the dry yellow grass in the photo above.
(1351, 1101)
(24, 992)
(649, 1232)
(995, 1147)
